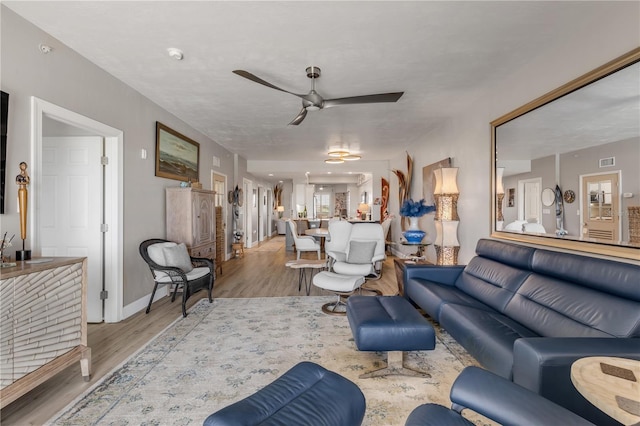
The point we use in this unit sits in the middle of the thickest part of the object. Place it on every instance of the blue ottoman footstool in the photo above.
(307, 394)
(391, 324)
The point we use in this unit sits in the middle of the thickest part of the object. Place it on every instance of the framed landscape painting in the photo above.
(177, 156)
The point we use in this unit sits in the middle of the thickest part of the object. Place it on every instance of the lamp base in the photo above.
(23, 254)
(447, 255)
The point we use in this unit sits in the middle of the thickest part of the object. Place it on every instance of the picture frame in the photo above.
(511, 198)
(177, 156)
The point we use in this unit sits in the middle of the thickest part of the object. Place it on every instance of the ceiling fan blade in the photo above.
(301, 115)
(258, 80)
(366, 99)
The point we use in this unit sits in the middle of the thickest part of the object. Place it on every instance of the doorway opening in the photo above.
(111, 209)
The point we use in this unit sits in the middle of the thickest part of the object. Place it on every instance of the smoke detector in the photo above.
(175, 53)
(44, 48)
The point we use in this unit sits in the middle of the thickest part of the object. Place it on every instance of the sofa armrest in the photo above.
(438, 274)
(505, 402)
(543, 365)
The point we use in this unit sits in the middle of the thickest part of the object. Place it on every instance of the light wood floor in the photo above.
(260, 273)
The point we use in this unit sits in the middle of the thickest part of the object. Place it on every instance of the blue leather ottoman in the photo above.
(307, 394)
(392, 324)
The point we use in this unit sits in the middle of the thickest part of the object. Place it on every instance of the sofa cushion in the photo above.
(556, 308)
(431, 296)
(617, 278)
(509, 254)
(491, 282)
(487, 336)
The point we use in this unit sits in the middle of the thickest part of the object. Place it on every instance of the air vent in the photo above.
(608, 162)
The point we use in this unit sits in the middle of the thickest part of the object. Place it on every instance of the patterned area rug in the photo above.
(225, 351)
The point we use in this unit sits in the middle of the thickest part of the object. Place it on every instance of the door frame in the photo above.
(521, 200)
(113, 194)
(224, 209)
(247, 206)
(619, 198)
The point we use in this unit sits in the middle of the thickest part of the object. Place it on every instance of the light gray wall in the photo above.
(67, 79)
(466, 137)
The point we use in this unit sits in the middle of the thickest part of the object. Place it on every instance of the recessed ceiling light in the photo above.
(175, 53)
(270, 174)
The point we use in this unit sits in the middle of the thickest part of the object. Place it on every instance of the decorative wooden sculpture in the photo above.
(22, 180)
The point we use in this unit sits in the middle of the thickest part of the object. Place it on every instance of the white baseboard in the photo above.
(141, 304)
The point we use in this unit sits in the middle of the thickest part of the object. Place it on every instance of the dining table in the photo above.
(319, 234)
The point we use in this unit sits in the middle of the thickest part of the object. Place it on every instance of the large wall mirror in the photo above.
(566, 166)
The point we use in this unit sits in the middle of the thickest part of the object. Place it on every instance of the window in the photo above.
(321, 202)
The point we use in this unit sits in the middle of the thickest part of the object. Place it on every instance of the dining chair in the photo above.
(303, 242)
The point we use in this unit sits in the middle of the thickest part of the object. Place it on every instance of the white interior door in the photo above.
(530, 206)
(72, 208)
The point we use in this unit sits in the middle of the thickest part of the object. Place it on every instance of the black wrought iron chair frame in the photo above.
(178, 277)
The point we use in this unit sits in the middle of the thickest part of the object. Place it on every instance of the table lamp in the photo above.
(280, 210)
(364, 208)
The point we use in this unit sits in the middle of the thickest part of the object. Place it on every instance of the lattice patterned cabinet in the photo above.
(191, 219)
(43, 323)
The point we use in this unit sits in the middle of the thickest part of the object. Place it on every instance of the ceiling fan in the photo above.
(312, 101)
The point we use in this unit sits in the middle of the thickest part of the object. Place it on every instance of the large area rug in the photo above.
(225, 351)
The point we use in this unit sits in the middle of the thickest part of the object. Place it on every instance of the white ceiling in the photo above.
(443, 55)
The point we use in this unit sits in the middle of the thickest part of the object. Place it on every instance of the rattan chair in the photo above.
(201, 277)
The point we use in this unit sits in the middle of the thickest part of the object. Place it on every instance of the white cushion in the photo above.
(195, 273)
(337, 282)
(361, 251)
(178, 256)
(156, 254)
(345, 268)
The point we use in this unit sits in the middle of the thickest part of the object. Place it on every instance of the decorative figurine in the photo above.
(22, 180)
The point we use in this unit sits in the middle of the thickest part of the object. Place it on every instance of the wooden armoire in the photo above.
(191, 219)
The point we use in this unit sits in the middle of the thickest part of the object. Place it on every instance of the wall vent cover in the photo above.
(608, 162)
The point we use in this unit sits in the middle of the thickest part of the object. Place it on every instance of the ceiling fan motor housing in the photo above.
(313, 72)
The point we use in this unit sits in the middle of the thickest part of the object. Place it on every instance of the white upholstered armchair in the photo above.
(336, 245)
(303, 242)
(364, 251)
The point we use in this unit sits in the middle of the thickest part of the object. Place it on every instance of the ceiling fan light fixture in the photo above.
(312, 108)
(334, 160)
(338, 153)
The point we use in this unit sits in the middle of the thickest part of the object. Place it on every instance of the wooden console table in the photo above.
(43, 323)
(400, 265)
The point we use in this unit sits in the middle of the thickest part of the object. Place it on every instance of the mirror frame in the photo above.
(623, 251)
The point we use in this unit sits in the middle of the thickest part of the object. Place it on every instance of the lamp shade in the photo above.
(446, 178)
(499, 187)
(363, 207)
(447, 233)
(280, 208)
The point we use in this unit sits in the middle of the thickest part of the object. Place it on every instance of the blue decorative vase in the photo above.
(414, 235)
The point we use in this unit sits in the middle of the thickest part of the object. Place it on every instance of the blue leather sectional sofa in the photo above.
(527, 314)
